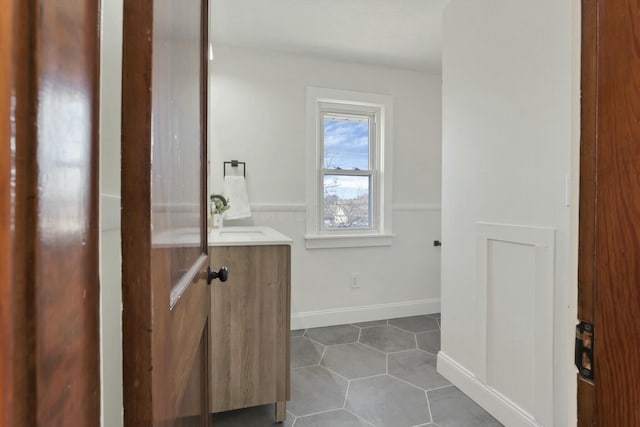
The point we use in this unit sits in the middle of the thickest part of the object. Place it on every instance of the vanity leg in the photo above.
(281, 411)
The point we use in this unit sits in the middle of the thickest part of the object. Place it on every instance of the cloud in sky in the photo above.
(346, 143)
(346, 134)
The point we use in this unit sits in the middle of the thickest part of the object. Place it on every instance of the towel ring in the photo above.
(234, 164)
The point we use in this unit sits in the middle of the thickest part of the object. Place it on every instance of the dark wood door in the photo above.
(166, 298)
(49, 289)
(609, 256)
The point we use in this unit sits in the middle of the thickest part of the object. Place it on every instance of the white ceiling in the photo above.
(397, 33)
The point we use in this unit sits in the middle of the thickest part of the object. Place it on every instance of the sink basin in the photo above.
(241, 236)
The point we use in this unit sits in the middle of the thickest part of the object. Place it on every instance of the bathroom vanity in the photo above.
(250, 319)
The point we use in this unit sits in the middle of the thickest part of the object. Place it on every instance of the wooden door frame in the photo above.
(588, 183)
(49, 285)
(136, 122)
(609, 127)
(13, 370)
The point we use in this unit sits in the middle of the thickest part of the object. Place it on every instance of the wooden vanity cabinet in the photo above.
(250, 327)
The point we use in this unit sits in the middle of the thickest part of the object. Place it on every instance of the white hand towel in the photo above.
(235, 189)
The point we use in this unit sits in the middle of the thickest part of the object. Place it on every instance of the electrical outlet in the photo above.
(355, 280)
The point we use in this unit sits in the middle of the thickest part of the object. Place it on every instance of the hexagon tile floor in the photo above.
(380, 374)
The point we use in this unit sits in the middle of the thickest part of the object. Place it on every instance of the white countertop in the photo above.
(225, 236)
(247, 236)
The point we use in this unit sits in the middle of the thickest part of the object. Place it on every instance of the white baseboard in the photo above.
(341, 316)
(503, 409)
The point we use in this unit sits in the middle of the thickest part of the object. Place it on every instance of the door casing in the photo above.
(49, 287)
(609, 240)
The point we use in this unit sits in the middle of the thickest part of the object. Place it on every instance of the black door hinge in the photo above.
(584, 349)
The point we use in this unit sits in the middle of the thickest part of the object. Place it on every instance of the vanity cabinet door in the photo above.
(250, 328)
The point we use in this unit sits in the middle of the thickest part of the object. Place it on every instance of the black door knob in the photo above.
(222, 274)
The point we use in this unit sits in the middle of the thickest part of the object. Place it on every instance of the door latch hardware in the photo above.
(222, 274)
(584, 349)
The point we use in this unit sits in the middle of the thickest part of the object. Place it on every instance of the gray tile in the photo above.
(388, 402)
(417, 368)
(388, 339)
(452, 408)
(298, 332)
(354, 360)
(331, 335)
(372, 323)
(315, 390)
(429, 341)
(258, 416)
(339, 418)
(415, 323)
(289, 420)
(305, 352)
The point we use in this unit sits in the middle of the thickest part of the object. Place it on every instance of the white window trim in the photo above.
(382, 234)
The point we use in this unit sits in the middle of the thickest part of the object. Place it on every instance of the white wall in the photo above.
(110, 268)
(257, 115)
(510, 130)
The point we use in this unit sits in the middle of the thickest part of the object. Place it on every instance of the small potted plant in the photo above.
(218, 206)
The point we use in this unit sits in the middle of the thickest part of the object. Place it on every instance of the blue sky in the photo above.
(346, 145)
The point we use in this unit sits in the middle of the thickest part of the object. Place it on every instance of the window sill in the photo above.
(317, 241)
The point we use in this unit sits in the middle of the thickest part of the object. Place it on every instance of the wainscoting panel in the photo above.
(515, 277)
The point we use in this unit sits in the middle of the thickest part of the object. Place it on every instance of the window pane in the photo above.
(347, 202)
(346, 142)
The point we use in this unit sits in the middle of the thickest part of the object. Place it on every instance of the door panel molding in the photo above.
(532, 250)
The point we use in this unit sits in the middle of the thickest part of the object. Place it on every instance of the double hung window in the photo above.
(348, 169)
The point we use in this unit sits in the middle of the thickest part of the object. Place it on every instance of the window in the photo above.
(348, 169)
